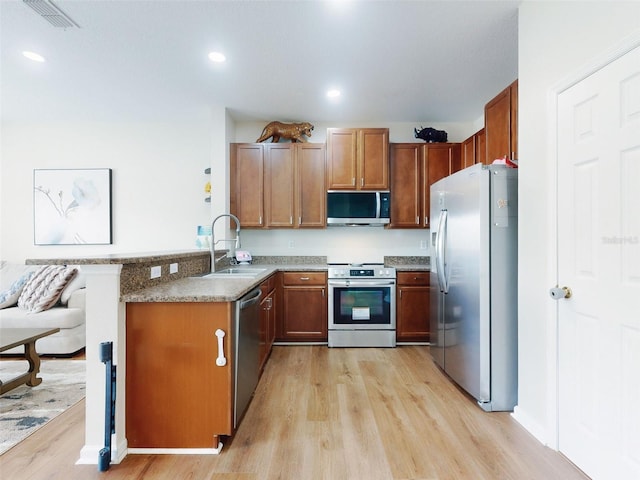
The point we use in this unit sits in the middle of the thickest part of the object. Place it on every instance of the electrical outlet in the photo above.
(291, 244)
(423, 244)
(156, 271)
(173, 268)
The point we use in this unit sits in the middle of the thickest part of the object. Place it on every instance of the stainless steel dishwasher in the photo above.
(247, 351)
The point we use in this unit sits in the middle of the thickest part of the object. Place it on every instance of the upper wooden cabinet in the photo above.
(414, 168)
(247, 183)
(278, 185)
(501, 124)
(473, 149)
(358, 158)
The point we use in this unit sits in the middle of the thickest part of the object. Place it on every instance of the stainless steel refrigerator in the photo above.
(474, 280)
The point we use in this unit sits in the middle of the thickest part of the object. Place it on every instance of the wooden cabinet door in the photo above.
(311, 191)
(247, 184)
(342, 158)
(469, 151)
(267, 327)
(438, 164)
(302, 307)
(304, 314)
(373, 159)
(406, 185)
(176, 395)
(514, 120)
(497, 125)
(358, 158)
(481, 147)
(279, 185)
(412, 307)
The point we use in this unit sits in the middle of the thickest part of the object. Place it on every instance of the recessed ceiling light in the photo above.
(334, 93)
(33, 56)
(217, 57)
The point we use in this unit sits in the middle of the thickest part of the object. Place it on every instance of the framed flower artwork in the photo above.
(72, 206)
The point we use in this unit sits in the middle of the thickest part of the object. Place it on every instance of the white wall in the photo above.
(556, 39)
(158, 182)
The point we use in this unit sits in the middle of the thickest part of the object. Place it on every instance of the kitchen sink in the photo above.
(235, 272)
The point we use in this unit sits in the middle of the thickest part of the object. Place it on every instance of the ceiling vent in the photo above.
(51, 13)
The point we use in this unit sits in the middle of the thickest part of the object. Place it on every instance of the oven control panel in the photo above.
(362, 272)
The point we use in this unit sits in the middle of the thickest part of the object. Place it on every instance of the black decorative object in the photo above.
(106, 357)
(431, 135)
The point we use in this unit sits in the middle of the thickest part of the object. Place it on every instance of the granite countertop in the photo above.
(226, 289)
(229, 289)
(192, 288)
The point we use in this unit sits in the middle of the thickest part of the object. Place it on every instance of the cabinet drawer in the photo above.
(268, 285)
(304, 278)
(413, 278)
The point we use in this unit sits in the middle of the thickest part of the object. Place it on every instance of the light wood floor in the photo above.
(320, 413)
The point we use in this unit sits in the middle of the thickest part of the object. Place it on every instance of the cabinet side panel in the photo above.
(176, 396)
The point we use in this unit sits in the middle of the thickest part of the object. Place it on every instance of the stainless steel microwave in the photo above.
(357, 207)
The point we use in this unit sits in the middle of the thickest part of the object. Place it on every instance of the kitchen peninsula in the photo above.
(115, 281)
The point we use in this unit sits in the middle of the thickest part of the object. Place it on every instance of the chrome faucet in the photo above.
(213, 242)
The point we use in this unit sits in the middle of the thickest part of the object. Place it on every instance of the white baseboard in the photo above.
(529, 424)
(90, 453)
(176, 451)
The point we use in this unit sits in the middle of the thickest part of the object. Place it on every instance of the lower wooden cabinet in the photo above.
(412, 306)
(267, 319)
(176, 395)
(303, 310)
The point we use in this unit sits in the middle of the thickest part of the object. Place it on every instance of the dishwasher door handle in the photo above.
(250, 299)
(221, 361)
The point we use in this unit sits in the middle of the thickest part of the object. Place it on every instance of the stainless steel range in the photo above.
(362, 305)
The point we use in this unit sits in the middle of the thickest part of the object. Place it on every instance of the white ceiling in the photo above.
(395, 61)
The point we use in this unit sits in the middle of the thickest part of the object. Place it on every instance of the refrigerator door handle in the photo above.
(441, 237)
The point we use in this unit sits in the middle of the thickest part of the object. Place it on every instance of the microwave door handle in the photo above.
(378, 205)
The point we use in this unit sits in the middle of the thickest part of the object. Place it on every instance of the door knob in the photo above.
(557, 293)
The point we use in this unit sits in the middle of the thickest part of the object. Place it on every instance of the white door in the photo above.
(599, 260)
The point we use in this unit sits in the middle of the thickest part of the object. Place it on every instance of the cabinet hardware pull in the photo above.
(304, 278)
(323, 293)
(417, 220)
(290, 220)
(260, 220)
(299, 220)
(353, 180)
(426, 220)
(362, 182)
(220, 361)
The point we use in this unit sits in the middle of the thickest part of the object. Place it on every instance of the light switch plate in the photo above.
(173, 268)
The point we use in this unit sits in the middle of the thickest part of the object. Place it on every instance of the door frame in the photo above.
(553, 375)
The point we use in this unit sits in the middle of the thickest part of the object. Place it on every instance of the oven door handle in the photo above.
(357, 283)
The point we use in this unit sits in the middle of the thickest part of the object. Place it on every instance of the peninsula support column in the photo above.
(105, 322)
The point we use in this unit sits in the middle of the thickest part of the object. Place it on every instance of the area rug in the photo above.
(25, 409)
